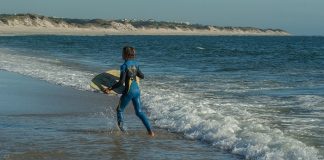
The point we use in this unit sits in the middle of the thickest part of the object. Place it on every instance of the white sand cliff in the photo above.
(29, 24)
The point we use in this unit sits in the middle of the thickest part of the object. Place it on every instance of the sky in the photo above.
(299, 17)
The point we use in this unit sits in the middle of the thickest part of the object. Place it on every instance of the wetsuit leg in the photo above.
(123, 102)
(139, 113)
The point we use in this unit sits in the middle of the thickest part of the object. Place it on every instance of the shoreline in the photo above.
(31, 24)
(25, 31)
(23, 94)
(40, 120)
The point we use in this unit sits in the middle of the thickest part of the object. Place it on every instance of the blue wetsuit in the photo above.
(128, 72)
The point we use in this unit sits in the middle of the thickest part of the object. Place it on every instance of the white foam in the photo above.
(46, 69)
(311, 101)
(226, 125)
(201, 48)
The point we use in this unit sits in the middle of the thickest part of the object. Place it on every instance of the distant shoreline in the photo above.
(18, 31)
(31, 24)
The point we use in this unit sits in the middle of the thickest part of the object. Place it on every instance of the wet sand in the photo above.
(39, 120)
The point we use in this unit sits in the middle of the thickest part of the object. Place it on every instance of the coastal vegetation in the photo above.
(34, 20)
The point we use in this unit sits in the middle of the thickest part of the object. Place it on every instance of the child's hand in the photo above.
(107, 90)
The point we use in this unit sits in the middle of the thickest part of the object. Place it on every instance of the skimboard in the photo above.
(107, 79)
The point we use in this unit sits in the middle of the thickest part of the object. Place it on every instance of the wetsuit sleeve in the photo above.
(139, 73)
(122, 77)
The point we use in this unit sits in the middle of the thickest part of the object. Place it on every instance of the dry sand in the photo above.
(6, 30)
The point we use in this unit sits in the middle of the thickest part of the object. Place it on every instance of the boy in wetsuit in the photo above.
(128, 72)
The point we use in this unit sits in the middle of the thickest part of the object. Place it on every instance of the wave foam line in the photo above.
(225, 125)
(45, 69)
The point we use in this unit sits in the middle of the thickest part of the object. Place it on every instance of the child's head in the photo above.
(128, 53)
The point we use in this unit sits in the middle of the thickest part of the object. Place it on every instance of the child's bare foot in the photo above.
(151, 133)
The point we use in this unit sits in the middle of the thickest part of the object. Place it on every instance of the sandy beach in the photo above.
(32, 24)
(23, 30)
(39, 120)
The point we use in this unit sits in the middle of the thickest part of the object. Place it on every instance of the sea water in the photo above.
(255, 97)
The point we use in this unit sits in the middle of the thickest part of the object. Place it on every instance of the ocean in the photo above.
(248, 97)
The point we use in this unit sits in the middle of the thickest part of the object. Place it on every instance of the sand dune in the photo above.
(30, 24)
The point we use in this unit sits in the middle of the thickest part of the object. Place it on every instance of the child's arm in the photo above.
(139, 73)
(122, 78)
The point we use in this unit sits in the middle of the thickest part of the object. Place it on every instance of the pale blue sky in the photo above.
(299, 17)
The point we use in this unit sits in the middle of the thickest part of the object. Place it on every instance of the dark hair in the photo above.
(128, 52)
